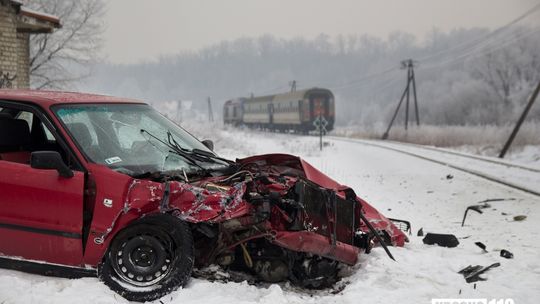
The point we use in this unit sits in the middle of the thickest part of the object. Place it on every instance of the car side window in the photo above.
(29, 118)
(26, 116)
(48, 134)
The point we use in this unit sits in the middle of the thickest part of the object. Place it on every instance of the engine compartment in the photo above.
(277, 219)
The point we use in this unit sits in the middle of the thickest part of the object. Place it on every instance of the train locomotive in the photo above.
(293, 111)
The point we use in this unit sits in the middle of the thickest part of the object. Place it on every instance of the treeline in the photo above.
(465, 76)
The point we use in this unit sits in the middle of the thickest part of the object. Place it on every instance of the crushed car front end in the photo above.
(275, 217)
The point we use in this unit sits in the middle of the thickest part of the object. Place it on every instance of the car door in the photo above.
(41, 213)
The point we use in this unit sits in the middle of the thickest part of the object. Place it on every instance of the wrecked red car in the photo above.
(96, 185)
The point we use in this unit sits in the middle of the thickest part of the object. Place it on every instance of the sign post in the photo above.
(320, 124)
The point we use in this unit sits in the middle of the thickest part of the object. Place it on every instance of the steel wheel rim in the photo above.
(144, 260)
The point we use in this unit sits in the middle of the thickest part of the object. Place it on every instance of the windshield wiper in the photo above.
(211, 156)
(175, 148)
(208, 156)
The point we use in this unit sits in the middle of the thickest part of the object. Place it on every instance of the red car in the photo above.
(97, 185)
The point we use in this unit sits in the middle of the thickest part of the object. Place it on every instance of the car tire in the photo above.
(149, 259)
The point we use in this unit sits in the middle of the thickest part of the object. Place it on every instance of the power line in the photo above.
(483, 50)
(357, 81)
(469, 48)
(275, 89)
(364, 78)
(387, 83)
(479, 40)
(456, 59)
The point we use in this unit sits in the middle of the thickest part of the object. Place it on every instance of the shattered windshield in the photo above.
(134, 139)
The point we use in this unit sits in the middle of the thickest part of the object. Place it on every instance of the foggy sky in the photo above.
(142, 30)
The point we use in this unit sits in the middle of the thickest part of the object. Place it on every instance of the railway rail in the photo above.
(510, 184)
(475, 157)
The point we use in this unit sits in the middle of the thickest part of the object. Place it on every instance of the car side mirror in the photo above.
(50, 160)
(209, 144)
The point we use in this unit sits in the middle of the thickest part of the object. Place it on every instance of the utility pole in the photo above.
(293, 85)
(411, 82)
(520, 121)
(210, 113)
(179, 111)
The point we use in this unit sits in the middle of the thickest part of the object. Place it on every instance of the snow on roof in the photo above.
(47, 98)
(40, 15)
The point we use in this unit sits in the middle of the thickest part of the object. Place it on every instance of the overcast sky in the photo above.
(142, 30)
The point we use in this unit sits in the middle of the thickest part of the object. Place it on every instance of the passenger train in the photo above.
(295, 111)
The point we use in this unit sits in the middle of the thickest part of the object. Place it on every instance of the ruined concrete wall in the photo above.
(14, 49)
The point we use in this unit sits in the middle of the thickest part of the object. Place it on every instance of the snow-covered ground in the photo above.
(525, 176)
(528, 155)
(398, 185)
(484, 140)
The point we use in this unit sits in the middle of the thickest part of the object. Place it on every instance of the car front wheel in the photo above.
(149, 259)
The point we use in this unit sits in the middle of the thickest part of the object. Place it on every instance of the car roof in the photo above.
(50, 98)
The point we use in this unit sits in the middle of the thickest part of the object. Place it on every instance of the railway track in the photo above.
(492, 178)
(475, 157)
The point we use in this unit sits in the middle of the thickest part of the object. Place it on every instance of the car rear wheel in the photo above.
(149, 259)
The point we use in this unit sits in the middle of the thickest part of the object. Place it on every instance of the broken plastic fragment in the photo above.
(481, 245)
(507, 254)
(519, 218)
(443, 240)
(472, 273)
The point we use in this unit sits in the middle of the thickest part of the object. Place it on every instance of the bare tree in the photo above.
(61, 58)
(512, 67)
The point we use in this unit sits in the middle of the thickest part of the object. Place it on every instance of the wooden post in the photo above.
(179, 111)
(415, 100)
(385, 135)
(210, 113)
(520, 121)
(293, 86)
(409, 65)
(407, 102)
